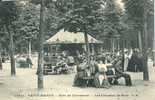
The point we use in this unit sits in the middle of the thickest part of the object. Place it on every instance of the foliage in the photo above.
(135, 12)
(113, 24)
(80, 15)
(27, 26)
(99, 17)
(52, 20)
(8, 14)
(134, 16)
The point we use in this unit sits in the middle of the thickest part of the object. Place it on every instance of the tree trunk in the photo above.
(87, 46)
(123, 54)
(93, 49)
(140, 41)
(118, 44)
(145, 45)
(1, 67)
(13, 68)
(29, 51)
(40, 41)
(154, 45)
(112, 45)
(154, 51)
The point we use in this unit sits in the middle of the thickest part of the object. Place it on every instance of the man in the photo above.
(119, 73)
(28, 60)
(0, 63)
(126, 60)
(134, 65)
(101, 80)
(70, 60)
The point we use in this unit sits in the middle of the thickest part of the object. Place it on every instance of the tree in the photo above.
(40, 41)
(113, 25)
(53, 18)
(112, 19)
(8, 14)
(0, 58)
(81, 16)
(40, 50)
(137, 14)
(27, 27)
(134, 18)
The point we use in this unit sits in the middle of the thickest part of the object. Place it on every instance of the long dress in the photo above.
(126, 61)
(132, 63)
(135, 63)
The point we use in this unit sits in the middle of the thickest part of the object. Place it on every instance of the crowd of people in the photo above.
(132, 60)
(97, 66)
(128, 60)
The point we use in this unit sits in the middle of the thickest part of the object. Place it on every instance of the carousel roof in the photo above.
(65, 37)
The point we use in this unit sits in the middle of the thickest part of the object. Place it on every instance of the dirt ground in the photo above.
(24, 87)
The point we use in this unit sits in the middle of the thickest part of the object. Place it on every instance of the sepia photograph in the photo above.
(77, 50)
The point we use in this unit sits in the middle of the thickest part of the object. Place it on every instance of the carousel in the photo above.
(63, 48)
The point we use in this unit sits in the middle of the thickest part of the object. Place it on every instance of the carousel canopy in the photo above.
(65, 37)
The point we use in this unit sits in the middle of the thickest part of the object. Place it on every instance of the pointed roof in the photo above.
(65, 37)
